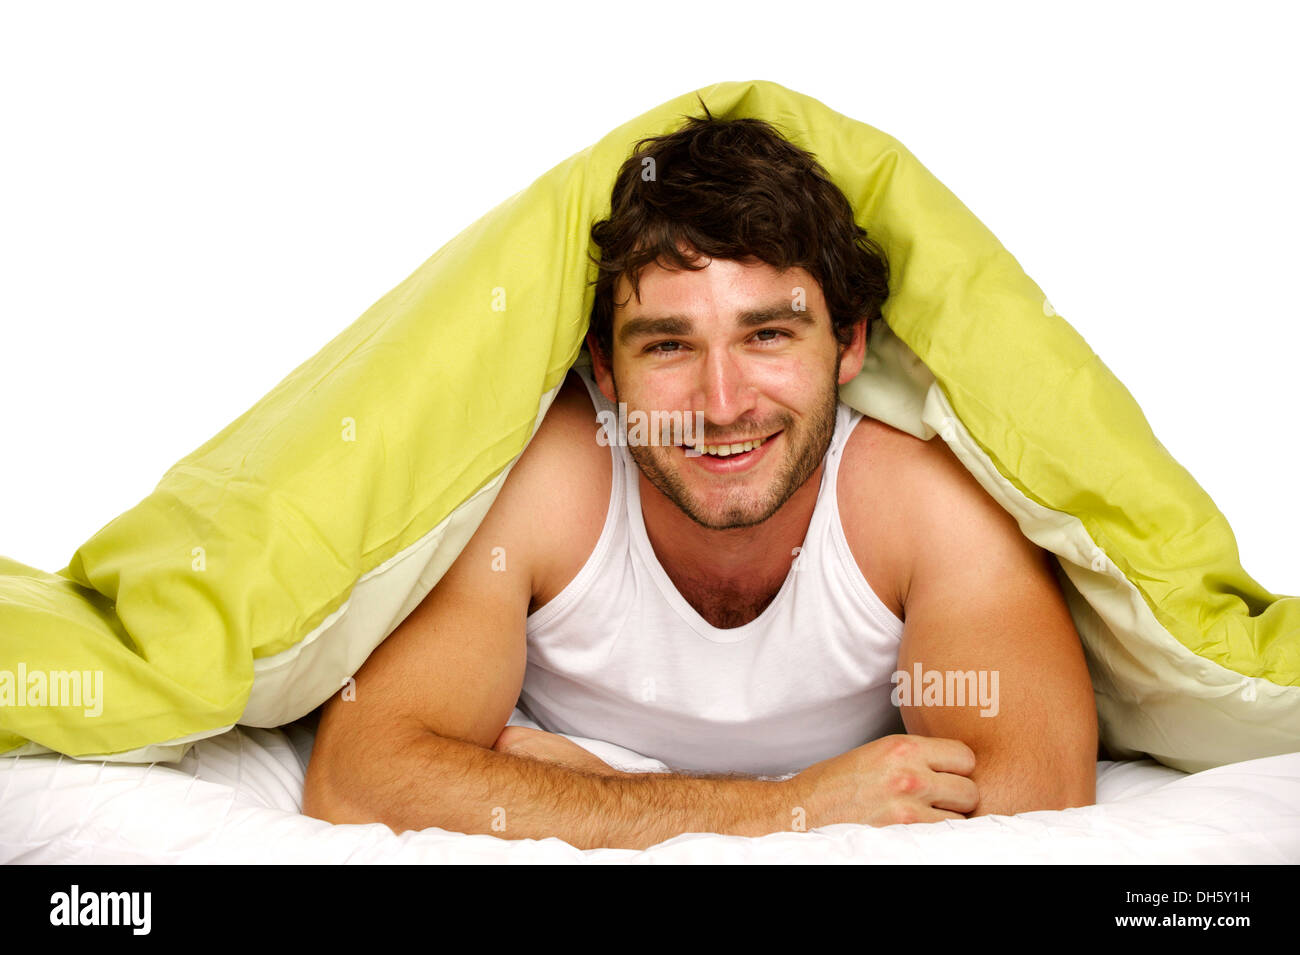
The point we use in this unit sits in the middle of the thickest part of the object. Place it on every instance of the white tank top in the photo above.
(620, 655)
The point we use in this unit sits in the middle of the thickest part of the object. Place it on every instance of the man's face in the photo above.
(728, 341)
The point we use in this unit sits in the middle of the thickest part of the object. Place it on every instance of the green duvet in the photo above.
(267, 564)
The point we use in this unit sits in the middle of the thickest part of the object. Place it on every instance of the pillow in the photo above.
(267, 564)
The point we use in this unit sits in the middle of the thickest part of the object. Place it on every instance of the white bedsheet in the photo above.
(236, 798)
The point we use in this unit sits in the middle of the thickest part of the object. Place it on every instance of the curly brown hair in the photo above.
(734, 189)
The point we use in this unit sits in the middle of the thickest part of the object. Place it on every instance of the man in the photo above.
(741, 603)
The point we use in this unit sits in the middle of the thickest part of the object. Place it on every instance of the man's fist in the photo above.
(892, 780)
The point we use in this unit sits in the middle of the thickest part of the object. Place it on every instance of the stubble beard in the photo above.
(805, 450)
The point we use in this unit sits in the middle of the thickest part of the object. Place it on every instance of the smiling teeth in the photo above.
(726, 450)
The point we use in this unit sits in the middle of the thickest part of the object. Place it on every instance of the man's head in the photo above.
(733, 281)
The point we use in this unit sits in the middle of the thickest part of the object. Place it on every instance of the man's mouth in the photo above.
(733, 449)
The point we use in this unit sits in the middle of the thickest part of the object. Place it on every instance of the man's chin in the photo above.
(734, 520)
(717, 511)
(731, 515)
(726, 517)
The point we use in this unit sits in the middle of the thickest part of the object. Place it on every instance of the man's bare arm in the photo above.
(982, 598)
(463, 787)
(414, 748)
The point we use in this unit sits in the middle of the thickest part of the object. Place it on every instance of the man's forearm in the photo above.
(454, 785)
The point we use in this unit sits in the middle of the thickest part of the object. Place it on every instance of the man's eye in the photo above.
(762, 335)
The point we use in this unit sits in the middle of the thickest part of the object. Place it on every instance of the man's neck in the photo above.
(751, 560)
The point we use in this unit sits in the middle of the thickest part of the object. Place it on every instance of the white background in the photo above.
(195, 198)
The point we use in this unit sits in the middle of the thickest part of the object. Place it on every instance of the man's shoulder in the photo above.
(917, 500)
(559, 488)
(882, 448)
(899, 497)
(874, 492)
(570, 423)
(564, 451)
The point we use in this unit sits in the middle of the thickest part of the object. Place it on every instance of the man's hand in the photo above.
(552, 748)
(892, 780)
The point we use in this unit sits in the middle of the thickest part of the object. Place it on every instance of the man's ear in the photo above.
(854, 353)
(601, 367)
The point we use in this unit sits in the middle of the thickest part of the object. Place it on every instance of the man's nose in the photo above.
(724, 390)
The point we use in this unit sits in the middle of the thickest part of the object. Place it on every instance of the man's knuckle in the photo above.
(904, 783)
(900, 747)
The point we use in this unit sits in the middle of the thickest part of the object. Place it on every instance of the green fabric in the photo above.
(252, 545)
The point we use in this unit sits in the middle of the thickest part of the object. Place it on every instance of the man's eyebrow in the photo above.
(645, 326)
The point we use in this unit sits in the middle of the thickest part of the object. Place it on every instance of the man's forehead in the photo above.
(730, 285)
